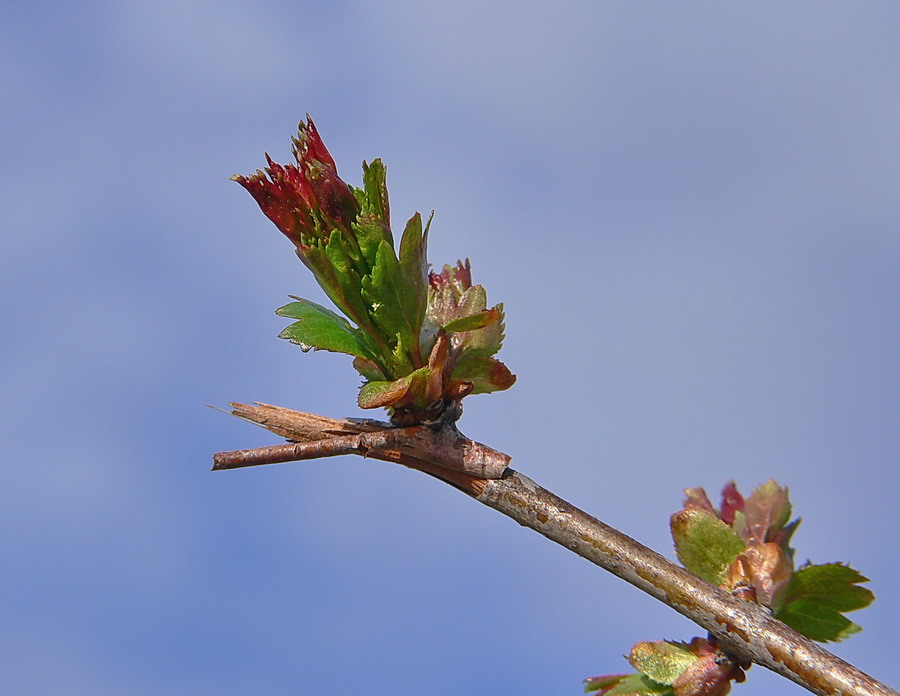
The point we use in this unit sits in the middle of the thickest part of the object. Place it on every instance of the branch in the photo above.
(314, 436)
(743, 629)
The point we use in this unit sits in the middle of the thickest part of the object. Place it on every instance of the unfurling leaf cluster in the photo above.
(421, 341)
(743, 547)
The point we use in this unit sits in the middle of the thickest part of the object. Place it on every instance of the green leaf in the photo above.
(834, 584)
(445, 302)
(316, 260)
(479, 320)
(368, 369)
(816, 621)
(487, 341)
(401, 357)
(486, 374)
(319, 328)
(816, 597)
(705, 545)
(346, 290)
(331, 271)
(369, 232)
(662, 661)
(392, 302)
(375, 200)
(345, 255)
(411, 391)
(414, 265)
(638, 685)
(382, 393)
(452, 300)
(603, 682)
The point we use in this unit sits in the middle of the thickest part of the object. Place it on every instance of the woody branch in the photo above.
(746, 630)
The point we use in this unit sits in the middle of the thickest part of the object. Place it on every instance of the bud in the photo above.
(307, 200)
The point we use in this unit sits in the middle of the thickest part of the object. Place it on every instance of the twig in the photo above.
(744, 629)
(439, 444)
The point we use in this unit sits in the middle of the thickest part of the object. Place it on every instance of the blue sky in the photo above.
(689, 210)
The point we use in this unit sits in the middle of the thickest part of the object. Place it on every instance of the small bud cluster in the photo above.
(743, 547)
(422, 341)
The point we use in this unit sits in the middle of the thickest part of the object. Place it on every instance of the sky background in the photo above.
(689, 210)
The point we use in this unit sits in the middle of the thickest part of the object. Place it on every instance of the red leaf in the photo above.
(732, 501)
